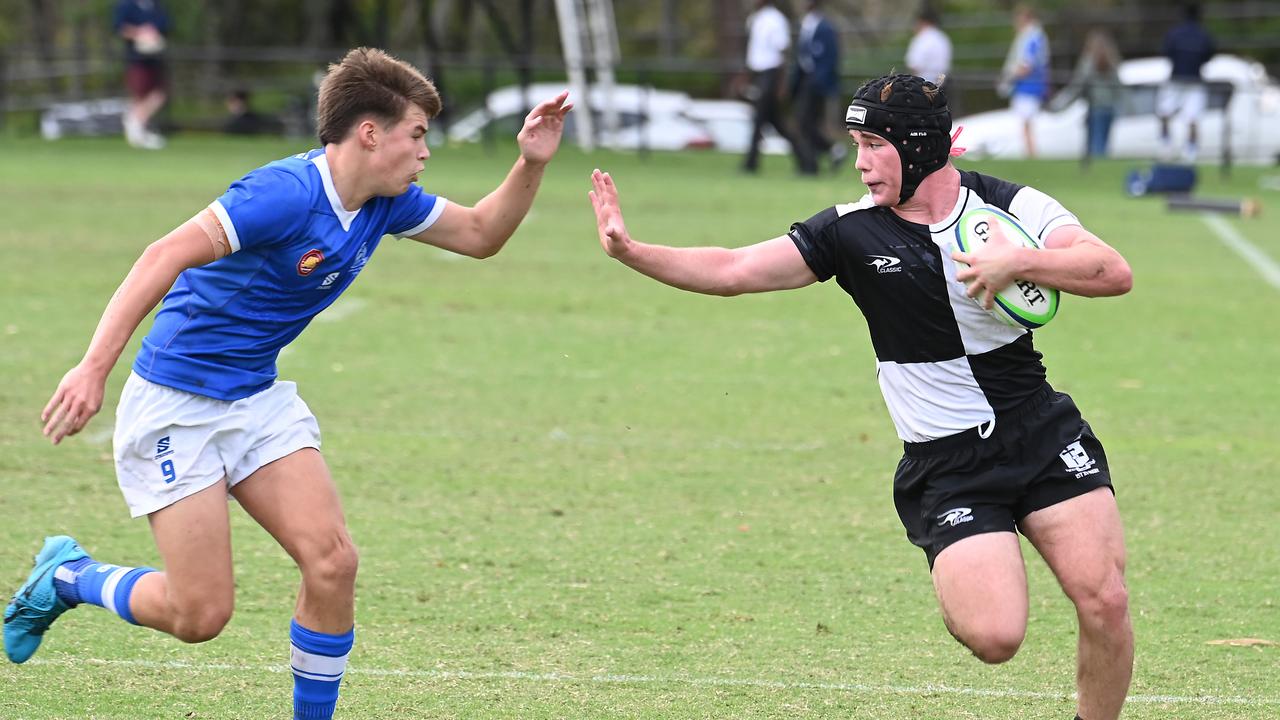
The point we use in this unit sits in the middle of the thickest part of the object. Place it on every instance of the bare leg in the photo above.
(295, 500)
(147, 107)
(193, 598)
(982, 589)
(1082, 540)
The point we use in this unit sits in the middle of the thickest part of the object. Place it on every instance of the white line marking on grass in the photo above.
(624, 679)
(1232, 238)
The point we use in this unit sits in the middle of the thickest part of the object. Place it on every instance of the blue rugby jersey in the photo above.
(294, 250)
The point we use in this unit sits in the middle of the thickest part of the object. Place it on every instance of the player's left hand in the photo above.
(540, 136)
(992, 268)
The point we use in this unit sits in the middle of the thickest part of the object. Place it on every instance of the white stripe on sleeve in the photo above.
(436, 211)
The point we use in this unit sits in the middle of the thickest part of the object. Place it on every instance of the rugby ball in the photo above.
(1024, 303)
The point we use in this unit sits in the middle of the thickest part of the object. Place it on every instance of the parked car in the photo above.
(729, 122)
(1244, 104)
(648, 118)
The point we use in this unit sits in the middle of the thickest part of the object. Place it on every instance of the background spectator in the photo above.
(768, 37)
(242, 119)
(1097, 79)
(929, 56)
(143, 25)
(1025, 76)
(1188, 47)
(815, 80)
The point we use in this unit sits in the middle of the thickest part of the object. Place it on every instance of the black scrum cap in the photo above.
(912, 114)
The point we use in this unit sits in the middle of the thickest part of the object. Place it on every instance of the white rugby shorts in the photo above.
(1025, 106)
(170, 444)
(1186, 99)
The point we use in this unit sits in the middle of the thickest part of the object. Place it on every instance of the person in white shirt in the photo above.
(768, 38)
(929, 54)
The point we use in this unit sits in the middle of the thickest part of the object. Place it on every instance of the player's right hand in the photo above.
(77, 399)
(604, 198)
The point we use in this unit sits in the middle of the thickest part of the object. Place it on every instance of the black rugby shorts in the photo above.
(1037, 455)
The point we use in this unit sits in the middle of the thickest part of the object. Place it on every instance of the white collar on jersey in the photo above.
(345, 216)
(962, 203)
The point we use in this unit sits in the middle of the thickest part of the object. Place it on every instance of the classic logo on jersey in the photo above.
(163, 448)
(1077, 460)
(884, 263)
(309, 261)
(329, 280)
(955, 516)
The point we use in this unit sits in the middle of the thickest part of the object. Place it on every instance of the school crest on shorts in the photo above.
(309, 261)
(1077, 460)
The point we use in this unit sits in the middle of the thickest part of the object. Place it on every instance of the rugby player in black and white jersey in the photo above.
(990, 448)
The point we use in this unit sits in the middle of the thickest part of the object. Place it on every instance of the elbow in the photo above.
(1121, 279)
(484, 251)
(1124, 284)
(728, 284)
(161, 254)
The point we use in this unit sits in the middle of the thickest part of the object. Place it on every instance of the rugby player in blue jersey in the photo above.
(203, 416)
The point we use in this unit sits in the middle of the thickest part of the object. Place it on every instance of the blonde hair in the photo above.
(368, 81)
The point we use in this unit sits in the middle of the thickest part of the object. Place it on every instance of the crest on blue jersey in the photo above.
(309, 261)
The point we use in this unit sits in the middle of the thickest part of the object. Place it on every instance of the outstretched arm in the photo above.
(771, 265)
(483, 230)
(78, 398)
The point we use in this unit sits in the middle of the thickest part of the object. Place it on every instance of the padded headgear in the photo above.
(912, 114)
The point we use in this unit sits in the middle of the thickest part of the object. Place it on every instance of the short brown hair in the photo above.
(368, 81)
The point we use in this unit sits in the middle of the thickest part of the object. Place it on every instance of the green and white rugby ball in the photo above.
(1024, 303)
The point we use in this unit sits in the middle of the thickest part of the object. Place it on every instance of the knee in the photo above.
(1107, 604)
(202, 623)
(995, 646)
(333, 563)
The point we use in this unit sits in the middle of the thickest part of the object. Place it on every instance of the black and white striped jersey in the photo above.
(944, 364)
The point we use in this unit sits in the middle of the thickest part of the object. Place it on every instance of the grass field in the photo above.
(581, 494)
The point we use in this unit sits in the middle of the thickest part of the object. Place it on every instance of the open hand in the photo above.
(543, 126)
(604, 198)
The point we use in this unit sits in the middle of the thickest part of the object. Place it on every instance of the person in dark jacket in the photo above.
(815, 79)
(143, 24)
(1188, 46)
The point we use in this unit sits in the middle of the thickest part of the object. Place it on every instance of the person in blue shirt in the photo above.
(1188, 46)
(143, 25)
(203, 415)
(1025, 76)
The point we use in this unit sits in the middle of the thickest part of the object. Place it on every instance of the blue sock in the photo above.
(101, 584)
(318, 661)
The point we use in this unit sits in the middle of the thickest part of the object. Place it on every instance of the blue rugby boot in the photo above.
(36, 604)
